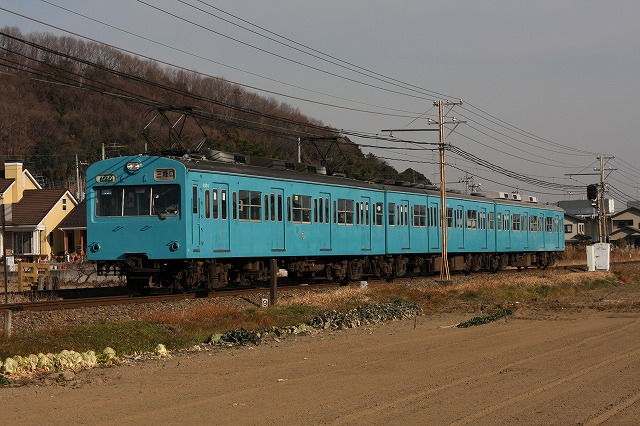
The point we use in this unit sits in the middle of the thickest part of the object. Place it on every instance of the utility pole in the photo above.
(603, 213)
(600, 205)
(444, 264)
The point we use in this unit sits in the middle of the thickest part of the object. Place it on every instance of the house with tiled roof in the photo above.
(32, 214)
(625, 228)
(574, 228)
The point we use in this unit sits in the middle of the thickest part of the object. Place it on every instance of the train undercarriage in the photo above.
(143, 274)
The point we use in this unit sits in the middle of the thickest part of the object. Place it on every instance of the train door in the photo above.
(276, 218)
(482, 227)
(364, 218)
(196, 216)
(460, 223)
(526, 228)
(434, 225)
(506, 227)
(324, 221)
(220, 216)
(403, 224)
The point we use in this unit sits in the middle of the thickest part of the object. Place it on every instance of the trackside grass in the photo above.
(191, 326)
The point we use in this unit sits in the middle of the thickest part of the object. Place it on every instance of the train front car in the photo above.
(136, 223)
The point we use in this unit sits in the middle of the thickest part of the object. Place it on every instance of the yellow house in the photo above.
(32, 214)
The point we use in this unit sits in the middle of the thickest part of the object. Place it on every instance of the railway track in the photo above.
(69, 300)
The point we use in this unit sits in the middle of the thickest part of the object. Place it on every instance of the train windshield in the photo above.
(143, 200)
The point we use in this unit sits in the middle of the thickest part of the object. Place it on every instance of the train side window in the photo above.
(419, 216)
(366, 213)
(207, 204)
(301, 209)
(320, 209)
(243, 201)
(533, 223)
(358, 213)
(449, 217)
(273, 206)
(335, 212)
(195, 199)
(499, 221)
(223, 204)
(266, 207)
(250, 206)
(392, 214)
(327, 212)
(515, 222)
(482, 220)
(234, 205)
(279, 208)
(315, 210)
(214, 202)
(491, 218)
(472, 219)
(288, 209)
(378, 218)
(345, 211)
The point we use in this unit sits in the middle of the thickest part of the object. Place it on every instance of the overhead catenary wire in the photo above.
(362, 134)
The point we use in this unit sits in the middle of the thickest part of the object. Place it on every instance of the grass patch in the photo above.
(186, 327)
(475, 321)
(124, 337)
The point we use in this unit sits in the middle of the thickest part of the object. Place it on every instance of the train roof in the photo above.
(237, 168)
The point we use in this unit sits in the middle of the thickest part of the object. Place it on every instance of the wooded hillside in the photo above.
(63, 97)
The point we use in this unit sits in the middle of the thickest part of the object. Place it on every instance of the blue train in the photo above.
(193, 222)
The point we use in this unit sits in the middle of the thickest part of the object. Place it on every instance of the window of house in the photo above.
(22, 242)
(568, 228)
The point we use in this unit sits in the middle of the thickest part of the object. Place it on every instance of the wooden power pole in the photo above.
(444, 264)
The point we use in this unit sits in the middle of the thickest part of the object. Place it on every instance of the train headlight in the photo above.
(95, 247)
(174, 246)
(133, 166)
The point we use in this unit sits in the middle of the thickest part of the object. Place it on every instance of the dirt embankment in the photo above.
(543, 365)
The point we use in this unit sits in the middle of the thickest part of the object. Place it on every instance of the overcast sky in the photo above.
(546, 85)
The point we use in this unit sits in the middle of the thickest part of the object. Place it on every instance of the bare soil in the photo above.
(546, 364)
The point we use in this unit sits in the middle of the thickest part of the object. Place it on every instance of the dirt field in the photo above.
(540, 366)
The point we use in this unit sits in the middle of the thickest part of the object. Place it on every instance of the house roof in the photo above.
(574, 218)
(627, 230)
(34, 206)
(636, 210)
(5, 184)
(77, 219)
